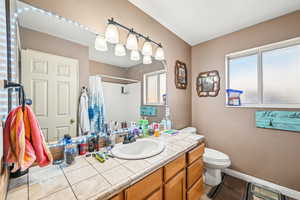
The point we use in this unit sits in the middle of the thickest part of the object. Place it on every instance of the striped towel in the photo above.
(24, 142)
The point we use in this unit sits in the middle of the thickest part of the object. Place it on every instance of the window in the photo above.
(268, 75)
(154, 87)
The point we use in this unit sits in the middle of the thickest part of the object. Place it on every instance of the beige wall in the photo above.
(106, 69)
(94, 14)
(268, 154)
(31, 39)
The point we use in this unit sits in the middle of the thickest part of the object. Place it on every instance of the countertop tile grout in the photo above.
(69, 183)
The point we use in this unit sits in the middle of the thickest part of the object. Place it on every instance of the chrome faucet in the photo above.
(129, 138)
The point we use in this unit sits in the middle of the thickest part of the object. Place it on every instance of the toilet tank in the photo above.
(192, 130)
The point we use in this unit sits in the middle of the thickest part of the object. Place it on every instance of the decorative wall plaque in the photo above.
(180, 75)
(208, 84)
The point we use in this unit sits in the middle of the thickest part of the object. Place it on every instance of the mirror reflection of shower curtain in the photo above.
(96, 105)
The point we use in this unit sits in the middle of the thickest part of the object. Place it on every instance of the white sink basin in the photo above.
(142, 148)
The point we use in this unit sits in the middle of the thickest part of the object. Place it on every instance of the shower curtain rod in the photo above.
(118, 78)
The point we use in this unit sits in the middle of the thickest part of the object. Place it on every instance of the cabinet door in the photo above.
(175, 188)
(119, 196)
(144, 188)
(157, 195)
(194, 172)
(174, 167)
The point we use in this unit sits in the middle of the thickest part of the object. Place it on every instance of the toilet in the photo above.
(214, 162)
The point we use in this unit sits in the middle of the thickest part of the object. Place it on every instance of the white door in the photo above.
(51, 82)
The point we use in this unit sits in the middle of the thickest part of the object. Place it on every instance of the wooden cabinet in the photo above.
(119, 196)
(180, 179)
(195, 153)
(174, 167)
(196, 191)
(145, 187)
(175, 187)
(157, 195)
(194, 172)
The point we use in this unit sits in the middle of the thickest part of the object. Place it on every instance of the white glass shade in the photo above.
(112, 34)
(159, 54)
(147, 48)
(120, 50)
(132, 42)
(135, 55)
(147, 60)
(100, 43)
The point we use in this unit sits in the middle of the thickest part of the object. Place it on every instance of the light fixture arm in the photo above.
(112, 21)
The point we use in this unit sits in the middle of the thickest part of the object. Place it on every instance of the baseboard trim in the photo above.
(284, 190)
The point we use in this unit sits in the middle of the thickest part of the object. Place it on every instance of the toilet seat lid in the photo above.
(214, 155)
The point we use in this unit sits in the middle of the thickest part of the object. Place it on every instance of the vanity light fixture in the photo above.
(135, 55)
(147, 60)
(112, 33)
(132, 41)
(120, 50)
(100, 43)
(147, 48)
(159, 54)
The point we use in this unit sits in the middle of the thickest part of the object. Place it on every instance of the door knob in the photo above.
(72, 121)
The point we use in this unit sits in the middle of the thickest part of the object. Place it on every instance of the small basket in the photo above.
(233, 97)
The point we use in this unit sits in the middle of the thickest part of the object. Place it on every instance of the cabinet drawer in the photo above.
(194, 172)
(119, 196)
(174, 167)
(157, 195)
(196, 191)
(145, 187)
(195, 153)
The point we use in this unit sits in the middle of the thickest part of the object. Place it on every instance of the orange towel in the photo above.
(24, 142)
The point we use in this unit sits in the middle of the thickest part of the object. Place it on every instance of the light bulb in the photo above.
(100, 43)
(120, 50)
(159, 54)
(147, 60)
(112, 34)
(135, 55)
(147, 48)
(132, 42)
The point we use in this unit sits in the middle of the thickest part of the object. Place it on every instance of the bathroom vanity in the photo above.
(175, 173)
(182, 178)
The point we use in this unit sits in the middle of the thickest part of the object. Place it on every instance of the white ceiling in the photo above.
(65, 30)
(196, 21)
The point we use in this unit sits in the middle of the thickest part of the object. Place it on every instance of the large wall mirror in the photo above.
(59, 63)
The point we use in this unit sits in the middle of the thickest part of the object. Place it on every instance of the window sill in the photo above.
(265, 106)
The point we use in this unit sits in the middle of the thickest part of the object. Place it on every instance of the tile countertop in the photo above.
(89, 179)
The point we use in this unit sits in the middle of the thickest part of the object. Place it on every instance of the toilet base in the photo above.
(213, 177)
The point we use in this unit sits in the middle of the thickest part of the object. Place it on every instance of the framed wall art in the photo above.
(180, 75)
(208, 84)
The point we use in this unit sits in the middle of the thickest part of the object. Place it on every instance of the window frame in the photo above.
(259, 51)
(145, 87)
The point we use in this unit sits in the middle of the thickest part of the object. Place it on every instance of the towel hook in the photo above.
(9, 84)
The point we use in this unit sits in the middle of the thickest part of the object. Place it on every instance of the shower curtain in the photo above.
(96, 105)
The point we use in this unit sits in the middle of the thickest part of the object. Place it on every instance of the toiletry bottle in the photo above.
(96, 142)
(156, 133)
(70, 151)
(91, 143)
(83, 146)
(112, 138)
